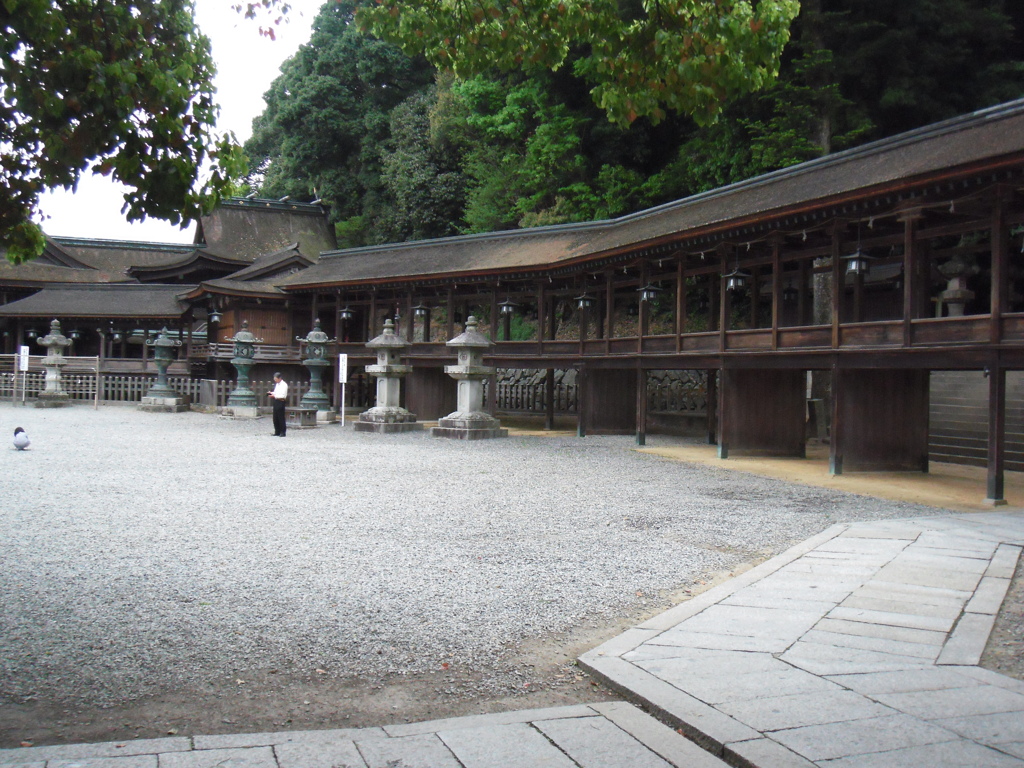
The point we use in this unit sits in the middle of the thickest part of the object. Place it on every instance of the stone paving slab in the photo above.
(611, 735)
(904, 610)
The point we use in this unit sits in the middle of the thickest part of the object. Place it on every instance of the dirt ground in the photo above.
(545, 673)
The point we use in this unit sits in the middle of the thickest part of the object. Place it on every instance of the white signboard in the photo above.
(23, 358)
(343, 369)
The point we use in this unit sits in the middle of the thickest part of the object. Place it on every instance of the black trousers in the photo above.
(279, 425)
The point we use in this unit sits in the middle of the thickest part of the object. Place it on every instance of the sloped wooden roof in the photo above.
(247, 228)
(259, 278)
(118, 300)
(987, 137)
(199, 260)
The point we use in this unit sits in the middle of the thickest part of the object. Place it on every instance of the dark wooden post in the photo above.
(776, 291)
(541, 317)
(371, 318)
(804, 293)
(1000, 274)
(996, 432)
(837, 284)
(835, 449)
(680, 303)
(581, 402)
(643, 311)
(723, 299)
(609, 314)
(641, 406)
(549, 399)
(711, 405)
(913, 282)
(494, 316)
(755, 296)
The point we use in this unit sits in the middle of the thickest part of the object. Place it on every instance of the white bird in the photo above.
(21, 441)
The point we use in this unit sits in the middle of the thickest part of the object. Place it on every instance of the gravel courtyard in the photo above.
(155, 555)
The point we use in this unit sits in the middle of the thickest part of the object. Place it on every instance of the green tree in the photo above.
(425, 188)
(327, 119)
(121, 88)
(642, 57)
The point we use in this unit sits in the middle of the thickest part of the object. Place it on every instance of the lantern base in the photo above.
(52, 400)
(386, 428)
(155, 404)
(469, 426)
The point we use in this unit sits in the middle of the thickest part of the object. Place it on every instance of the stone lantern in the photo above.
(470, 421)
(316, 361)
(387, 415)
(161, 397)
(957, 294)
(53, 395)
(242, 400)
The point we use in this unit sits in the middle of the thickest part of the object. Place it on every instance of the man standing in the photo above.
(280, 396)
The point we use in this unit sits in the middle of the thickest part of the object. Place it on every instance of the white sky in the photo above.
(246, 65)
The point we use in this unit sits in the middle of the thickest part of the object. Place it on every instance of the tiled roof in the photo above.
(125, 300)
(985, 136)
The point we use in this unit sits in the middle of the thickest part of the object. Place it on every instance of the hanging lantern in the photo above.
(649, 292)
(345, 313)
(584, 301)
(736, 280)
(421, 310)
(508, 307)
(790, 294)
(856, 263)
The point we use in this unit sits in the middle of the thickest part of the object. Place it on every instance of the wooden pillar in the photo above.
(494, 316)
(582, 401)
(641, 406)
(858, 297)
(371, 318)
(723, 299)
(1000, 273)
(835, 443)
(450, 330)
(776, 292)
(541, 317)
(913, 282)
(549, 399)
(804, 288)
(609, 314)
(410, 323)
(680, 304)
(837, 284)
(755, 296)
(712, 405)
(996, 432)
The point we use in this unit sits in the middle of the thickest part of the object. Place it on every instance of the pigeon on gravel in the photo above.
(21, 441)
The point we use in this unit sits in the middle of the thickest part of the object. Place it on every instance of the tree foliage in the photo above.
(327, 118)
(122, 88)
(642, 57)
(504, 149)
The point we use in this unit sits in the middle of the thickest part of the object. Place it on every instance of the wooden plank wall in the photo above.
(959, 418)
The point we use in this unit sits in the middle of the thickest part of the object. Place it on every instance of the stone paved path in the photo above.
(614, 735)
(858, 648)
(855, 649)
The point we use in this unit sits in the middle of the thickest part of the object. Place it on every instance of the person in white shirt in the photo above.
(21, 441)
(279, 394)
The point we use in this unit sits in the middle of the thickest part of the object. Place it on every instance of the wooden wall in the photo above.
(763, 412)
(880, 421)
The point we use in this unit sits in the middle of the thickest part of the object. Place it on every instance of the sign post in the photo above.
(23, 368)
(343, 380)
